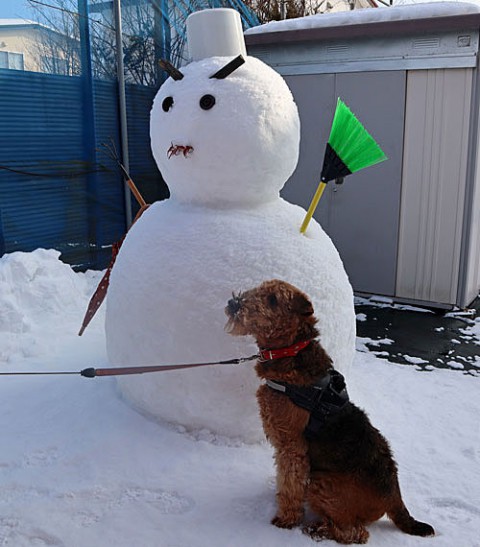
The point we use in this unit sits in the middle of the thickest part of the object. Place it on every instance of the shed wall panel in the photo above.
(362, 215)
(433, 185)
(472, 226)
(315, 98)
(472, 281)
(365, 209)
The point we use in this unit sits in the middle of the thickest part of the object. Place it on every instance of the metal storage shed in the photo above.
(408, 228)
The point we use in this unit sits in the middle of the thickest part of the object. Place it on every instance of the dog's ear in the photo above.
(302, 305)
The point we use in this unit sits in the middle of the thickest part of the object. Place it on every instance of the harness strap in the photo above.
(323, 400)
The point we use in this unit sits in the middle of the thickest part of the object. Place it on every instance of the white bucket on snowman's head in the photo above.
(215, 32)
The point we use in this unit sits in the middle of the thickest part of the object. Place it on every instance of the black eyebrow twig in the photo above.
(229, 68)
(173, 72)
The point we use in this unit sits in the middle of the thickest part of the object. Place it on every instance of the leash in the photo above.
(263, 356)
(122, 371)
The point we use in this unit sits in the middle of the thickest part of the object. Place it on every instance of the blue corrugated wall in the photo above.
(57, 189)
(49, 195)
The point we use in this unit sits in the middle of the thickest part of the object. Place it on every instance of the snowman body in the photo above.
(225, 229)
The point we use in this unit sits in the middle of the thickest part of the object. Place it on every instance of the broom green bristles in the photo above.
(352, 143)
(349, 148)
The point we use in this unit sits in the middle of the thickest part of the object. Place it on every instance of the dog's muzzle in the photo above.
(234, 305)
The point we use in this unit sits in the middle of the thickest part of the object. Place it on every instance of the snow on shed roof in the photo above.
(17, 22)
(369, 15)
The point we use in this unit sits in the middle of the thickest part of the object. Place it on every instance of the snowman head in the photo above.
(225, 141)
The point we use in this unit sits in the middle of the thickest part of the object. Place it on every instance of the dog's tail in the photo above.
(402, 519)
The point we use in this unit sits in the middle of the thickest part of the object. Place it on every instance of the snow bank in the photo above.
(41, 299)
(362, 16)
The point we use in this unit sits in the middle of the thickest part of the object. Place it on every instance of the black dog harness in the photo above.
(323, 400)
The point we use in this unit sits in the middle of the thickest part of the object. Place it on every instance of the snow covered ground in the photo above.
(80, 468)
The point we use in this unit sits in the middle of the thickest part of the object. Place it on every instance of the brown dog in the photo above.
(327, 452)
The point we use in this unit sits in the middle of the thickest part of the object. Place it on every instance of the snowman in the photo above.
(225, 136)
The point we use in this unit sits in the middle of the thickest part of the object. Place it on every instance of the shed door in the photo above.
(433, 190)
(362, 215)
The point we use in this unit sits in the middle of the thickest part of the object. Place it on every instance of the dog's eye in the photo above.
(272, 300)
(167, 104)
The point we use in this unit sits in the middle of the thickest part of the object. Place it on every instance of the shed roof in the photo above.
(415, 18)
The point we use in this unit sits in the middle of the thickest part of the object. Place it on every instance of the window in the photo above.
(11, 60)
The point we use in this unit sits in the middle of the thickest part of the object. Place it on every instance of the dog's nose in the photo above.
(234, 305)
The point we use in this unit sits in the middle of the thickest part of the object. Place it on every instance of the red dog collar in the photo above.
(291, 351)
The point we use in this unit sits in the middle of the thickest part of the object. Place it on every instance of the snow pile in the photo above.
(37, 289)
(79, 468)
(364, 16)
(473, 330)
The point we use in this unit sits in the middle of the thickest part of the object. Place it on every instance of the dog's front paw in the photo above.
(288, 521)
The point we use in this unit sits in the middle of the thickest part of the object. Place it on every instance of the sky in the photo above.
(13, 8)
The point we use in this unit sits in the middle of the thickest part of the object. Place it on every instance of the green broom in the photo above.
(349, 148)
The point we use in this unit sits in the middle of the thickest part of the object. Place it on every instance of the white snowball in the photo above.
(244, 148)
(173, 277)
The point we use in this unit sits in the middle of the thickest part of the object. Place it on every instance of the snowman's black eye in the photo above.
(167, 103)
(207, 102)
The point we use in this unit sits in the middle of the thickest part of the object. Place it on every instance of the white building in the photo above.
(28, 45)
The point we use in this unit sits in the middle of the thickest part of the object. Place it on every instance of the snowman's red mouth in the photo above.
(177, 149)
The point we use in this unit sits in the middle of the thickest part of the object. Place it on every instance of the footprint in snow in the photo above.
(259, 508)
(457, 510)
(7, 528)
(167, 503)
(102, 501)
(14, 535)
(41, 458)
(36, 538)
(14, 494)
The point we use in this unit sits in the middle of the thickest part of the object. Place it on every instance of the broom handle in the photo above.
(313, 206)
(133, 188)
(136, 193)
